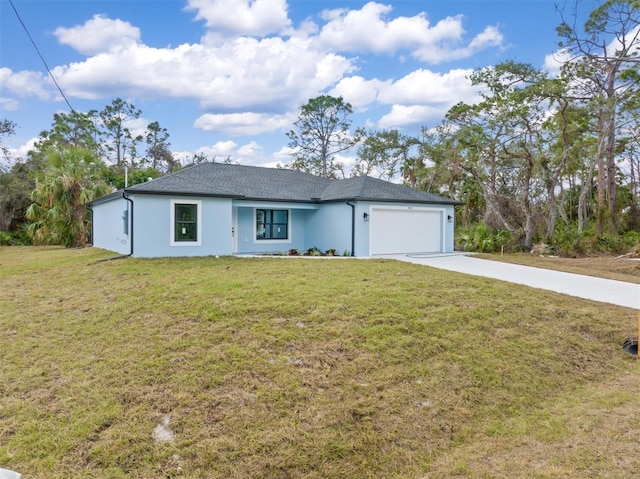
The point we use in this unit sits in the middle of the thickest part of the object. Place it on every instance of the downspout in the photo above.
(90, 208)
(353, 226)
(124, 195)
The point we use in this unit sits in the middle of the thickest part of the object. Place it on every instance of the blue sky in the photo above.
(227, 77)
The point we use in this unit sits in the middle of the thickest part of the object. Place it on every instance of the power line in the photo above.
(40, 55)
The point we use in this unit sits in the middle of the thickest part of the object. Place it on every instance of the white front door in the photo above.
(234, 230)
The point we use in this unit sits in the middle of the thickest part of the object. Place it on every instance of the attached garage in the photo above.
(405, 230)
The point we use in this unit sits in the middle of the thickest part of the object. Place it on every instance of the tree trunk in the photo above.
(602, 177)
(611, 182)
(585, 188)
(529, 227)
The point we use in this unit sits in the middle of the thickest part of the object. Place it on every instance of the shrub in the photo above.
(567, 242)
(480, 239)
(14, 238)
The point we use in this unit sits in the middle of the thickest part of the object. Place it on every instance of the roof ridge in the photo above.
(181, 177)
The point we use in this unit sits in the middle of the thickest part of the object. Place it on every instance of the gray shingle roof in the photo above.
(368, 188)
(221, 179)
(251, 182)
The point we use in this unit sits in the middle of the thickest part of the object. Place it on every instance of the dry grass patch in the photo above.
(609, 267)
(587, 433)
(298, 368)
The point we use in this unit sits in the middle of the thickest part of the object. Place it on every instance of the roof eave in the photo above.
(446, 201)
(279, 200)
(105, 198)
(180, 193)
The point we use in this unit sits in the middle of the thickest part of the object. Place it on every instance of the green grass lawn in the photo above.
(305, 368)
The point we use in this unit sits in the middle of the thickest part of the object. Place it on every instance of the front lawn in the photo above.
(304, 368)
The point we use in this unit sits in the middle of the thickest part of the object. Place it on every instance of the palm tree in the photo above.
(74, 176)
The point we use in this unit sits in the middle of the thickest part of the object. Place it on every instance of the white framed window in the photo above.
(272, 225)
(186, 223)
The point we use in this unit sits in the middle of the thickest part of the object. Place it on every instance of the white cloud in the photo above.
(251, 154)
(423, 96)
(137, 126)
(438, 53)
(9, 104)
(261, 74)
(284, 154)
(242, 17)
(24, 84)
(243, 123)
(427, 87)
(20, 152)
(247, 154)
(253, 67)
(251, 149)
(358, 91)
(412, 115)
(220, 149)
(347, 162)
(554, 61)
(369, 30)
(100, 34)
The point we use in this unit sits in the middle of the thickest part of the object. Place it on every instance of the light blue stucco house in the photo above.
(224, 209)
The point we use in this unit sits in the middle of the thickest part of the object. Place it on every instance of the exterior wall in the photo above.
(449, 231)
(362, 227)
(246, 231)
(153, 227)
(109, 229)
(228, 226)
(330, 228)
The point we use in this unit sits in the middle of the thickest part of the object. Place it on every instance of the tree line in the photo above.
(82, 156)
(539, 158)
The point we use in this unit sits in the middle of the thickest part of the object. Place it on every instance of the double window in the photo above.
(272, 224)
(185, 222)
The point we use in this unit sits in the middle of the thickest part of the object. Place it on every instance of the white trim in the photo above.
(275, 205)
(198, 204)
(443, 220)
(272, 241)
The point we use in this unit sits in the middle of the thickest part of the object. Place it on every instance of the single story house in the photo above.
(225, 209)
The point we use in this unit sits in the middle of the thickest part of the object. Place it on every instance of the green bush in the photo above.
(617, 244)
(14, 238)
(479, 238)
(567, 242)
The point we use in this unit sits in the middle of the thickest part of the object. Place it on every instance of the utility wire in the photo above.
(40, 55)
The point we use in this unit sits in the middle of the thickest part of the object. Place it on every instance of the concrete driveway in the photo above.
(588, 287)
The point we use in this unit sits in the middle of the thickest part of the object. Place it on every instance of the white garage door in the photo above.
(405, 231)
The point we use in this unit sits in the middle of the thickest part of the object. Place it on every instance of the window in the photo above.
(272, 224)
(185, 223)
(125, 222)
